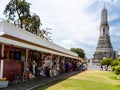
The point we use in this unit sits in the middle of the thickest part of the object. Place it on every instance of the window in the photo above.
(103, 31)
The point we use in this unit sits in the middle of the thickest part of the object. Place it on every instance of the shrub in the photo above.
(117, 70)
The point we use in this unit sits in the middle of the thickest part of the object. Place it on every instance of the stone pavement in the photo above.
(93, 66)
(29, 85)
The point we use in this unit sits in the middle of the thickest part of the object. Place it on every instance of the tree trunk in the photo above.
(21, 24)
(107, 68)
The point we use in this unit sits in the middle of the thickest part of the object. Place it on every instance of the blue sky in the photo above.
(75, 23)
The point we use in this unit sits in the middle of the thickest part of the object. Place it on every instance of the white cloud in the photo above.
(67, 43)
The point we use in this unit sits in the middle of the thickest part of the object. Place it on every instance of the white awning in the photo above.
(12, 35)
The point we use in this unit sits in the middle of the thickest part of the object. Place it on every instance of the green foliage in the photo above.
(79, 51)
(117, 70)
(18, 13)
(113, 68)
(116, 66)
(106, 61)
(32, 24)
(118, 58)
(114, 63)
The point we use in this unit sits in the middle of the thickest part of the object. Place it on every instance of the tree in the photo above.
(32, 24)
(16, 11)
(79, 51)
(106, 61)
(45, 34)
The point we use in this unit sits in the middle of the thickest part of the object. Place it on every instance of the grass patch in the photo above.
(72, 84)
(88, 80)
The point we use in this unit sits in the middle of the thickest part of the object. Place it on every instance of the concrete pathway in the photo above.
(93, 66)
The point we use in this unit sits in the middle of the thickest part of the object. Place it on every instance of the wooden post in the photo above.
(26, 58)
(25, 74)
(51, 56)
(1, 61)
(42, 56)
(58, 57)
(26, 62)
(1, 69)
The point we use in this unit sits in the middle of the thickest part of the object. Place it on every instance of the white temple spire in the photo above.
(104, 46)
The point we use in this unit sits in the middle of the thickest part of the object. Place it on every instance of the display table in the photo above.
(3, 84)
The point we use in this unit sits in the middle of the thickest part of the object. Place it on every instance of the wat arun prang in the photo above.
(104, 46)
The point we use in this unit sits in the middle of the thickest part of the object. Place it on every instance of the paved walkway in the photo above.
(29, 85)
(93, 66)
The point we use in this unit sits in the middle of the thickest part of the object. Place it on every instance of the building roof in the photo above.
(19, 37)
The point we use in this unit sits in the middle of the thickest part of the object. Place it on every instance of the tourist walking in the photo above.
(101, 67)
